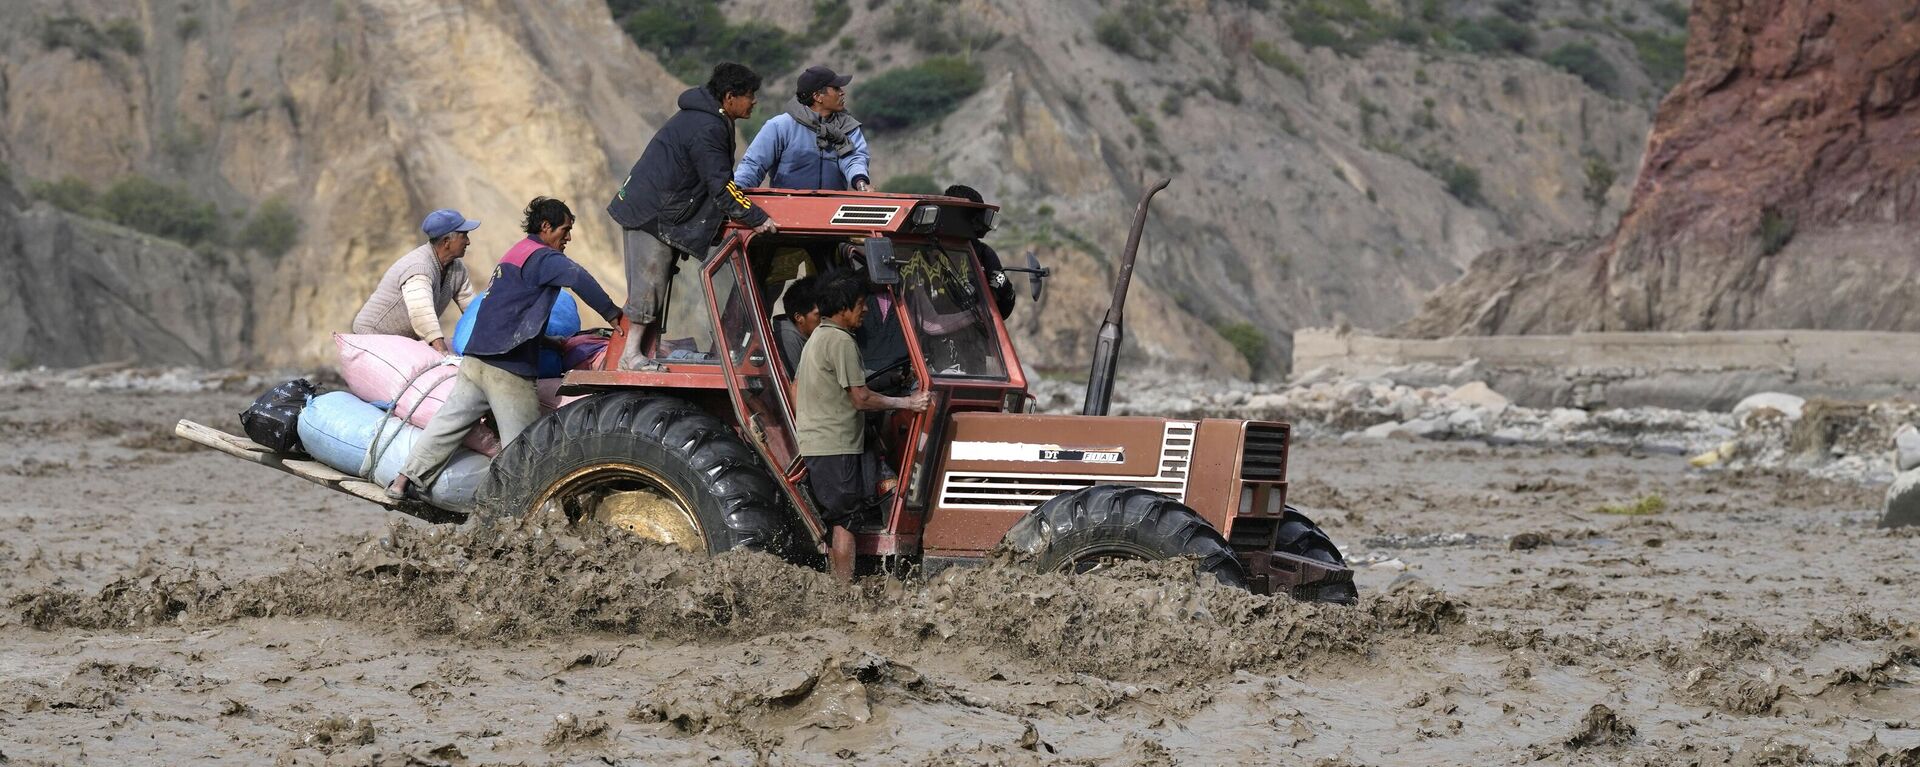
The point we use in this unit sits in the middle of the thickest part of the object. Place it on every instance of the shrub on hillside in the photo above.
(125, 34)
(1270, 55)
(1462, 180)
(1138, 29)
(828, 17)
(1246, 339)
(1495, 34)
(904, 97)
(69, 194)
(911, 183)
(164, 210)
(1586, 62)
(1774, 232)
(690, 36)
(273, 229)
(937, 26)
(1664, 56)
(73, 33)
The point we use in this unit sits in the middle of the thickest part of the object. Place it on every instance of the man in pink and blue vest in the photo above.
(503, 351)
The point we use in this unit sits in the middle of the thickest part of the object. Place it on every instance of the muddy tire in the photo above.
(1299, 536)
(655, 465)
(1077, 531)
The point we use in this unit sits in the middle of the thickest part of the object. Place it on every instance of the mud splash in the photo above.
(539, 579)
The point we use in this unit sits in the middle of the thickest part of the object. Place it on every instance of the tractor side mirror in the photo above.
(880, 269)
(1037, 276)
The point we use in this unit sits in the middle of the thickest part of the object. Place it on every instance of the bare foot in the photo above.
(632, 358)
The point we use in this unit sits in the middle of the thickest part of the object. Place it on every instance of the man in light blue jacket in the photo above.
(815, 144)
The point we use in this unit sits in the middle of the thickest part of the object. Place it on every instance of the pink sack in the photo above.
(407, 373)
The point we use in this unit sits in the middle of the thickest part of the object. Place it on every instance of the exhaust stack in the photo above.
(1106, 350)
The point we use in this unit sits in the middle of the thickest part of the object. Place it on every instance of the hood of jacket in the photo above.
(697, 99)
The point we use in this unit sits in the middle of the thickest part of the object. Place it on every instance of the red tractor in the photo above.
(702, 454)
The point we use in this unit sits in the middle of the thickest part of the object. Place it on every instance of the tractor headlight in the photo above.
(924, 216)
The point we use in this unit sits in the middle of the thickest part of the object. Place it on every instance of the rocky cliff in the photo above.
(77, 291)
(1316, 178)
(1780, 189)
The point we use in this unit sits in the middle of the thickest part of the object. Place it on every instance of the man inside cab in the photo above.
(799, 317)
(830, 392)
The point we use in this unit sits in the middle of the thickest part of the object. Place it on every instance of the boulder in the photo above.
(1786, 404)
(1427, 428)
(1381, 430)
(1903, 500)
(1468, 420)
(1478, 394)
(1906, 448)
(1567, 419)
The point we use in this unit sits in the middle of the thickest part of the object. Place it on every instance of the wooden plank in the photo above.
(312, 471)
(222, 441)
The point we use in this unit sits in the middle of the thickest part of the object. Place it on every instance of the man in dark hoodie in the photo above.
(503, 351)
(679, 193)
(1003, 293)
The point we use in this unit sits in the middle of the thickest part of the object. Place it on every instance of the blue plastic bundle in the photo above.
(336, 429)
(562, 322)
(354, 437)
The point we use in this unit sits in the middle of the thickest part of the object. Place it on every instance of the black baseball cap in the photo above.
(816, 78)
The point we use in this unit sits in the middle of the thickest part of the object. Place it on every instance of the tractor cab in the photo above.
(929, 304)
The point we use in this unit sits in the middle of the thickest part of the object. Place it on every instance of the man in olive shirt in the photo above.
(830, 391)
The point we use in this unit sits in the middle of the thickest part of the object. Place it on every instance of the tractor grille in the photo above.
(864, 215)
(1006, 491)
(1264, 453)
(1252, 533)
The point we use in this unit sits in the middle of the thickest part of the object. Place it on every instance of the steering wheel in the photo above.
(893, 379)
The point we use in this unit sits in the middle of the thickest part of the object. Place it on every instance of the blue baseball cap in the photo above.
(443, 222)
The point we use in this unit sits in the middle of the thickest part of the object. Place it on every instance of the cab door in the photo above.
(759, 400)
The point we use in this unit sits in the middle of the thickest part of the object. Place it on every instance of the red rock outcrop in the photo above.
(1780, 188)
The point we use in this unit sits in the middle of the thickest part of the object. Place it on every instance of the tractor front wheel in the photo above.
(656, 466)
(1087, 529)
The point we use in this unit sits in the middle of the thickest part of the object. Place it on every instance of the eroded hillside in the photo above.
(1333, 160)
(1780, 190)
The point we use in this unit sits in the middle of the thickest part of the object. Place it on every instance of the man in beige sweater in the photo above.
(416, 289)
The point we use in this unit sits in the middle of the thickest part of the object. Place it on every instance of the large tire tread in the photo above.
(1055, 535)
(738, 504)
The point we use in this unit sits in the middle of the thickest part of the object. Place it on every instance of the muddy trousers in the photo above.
(480, 388)
(649, 262)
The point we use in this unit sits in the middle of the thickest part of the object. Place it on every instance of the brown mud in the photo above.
(165, 605)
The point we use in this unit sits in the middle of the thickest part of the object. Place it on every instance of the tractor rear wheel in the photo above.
(1086, 529)
(656, 466)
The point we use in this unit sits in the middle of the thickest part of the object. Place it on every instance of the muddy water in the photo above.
(165, 605)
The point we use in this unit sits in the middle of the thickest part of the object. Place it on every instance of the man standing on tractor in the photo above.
(830, 390)
(814, 144)
(1003, 293)
(417, 288)
(503, 352)
(677, 195)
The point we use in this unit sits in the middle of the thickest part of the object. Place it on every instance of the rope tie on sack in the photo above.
(382, 440)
